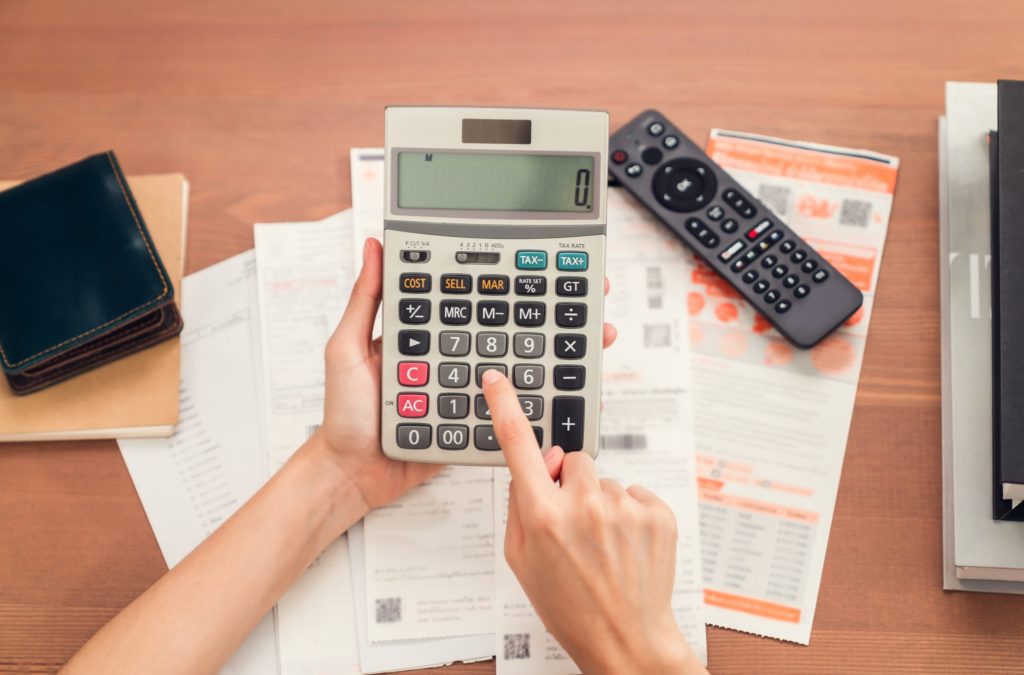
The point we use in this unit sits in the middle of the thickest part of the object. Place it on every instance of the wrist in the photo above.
(662, 650)
(341, 492)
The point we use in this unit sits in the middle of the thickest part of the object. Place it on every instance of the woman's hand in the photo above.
(596, 560)
(351, 425)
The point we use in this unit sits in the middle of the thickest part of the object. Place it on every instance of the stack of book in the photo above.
(981, 195)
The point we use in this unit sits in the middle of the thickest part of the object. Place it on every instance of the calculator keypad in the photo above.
(452, 323)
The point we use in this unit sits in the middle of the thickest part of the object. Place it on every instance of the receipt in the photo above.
(429, 559)
(772, 421)
(646, 436)
(304, 280)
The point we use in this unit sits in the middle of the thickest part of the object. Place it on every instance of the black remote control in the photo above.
(796, 289)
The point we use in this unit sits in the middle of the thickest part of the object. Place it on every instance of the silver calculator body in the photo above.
(494, 257)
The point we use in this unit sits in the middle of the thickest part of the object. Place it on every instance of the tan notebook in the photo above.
(136, 396)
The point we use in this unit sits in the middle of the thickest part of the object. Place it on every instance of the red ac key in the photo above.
(412, 405)
(413, 373)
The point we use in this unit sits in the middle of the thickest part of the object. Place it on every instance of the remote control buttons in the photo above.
(414, 283)
(412, 405)
(414, 256)
(531, 285)
(798, 256)
(729, 226)
(453, 406)
(739, 203)
(761, 286)
(413, 342)
(567, 422)
(569, 378)
(801, 291)
(684, 185)
(413, 436)
(808, 266)
(750, 276)
(634, 170)
(771, 296)
(570, 346)
(571, 314)
(414, 311)
(716, 212)
(531, 260)
(670, 142)
(730, 252)
(413, 373)
(759, 229)
(769, 261)
(571, 286)
(780, 271)
(619, 156)
(790, 281)
(456, 312)
(454, 343)
(655, 128)
(701, 231)
(819, 276)
(573, 261)
(651, 156)
(492, 285)
(452, 436)
(456, 283)
(492, 313)
(783, 306)
(787, 246)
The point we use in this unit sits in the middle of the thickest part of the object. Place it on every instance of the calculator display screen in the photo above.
(479, 181)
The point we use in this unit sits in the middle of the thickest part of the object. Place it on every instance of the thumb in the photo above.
(356, 326)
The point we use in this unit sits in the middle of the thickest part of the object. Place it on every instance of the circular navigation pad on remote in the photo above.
(684, 185)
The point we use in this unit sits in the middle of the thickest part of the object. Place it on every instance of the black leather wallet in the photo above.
(81, 283)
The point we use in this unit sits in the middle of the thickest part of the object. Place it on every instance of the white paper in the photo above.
(429, 559)
(405, 654)
(316, 618)
(772, 421)
(367, 168)
(193, 481)
(304, 280)
(646, 436)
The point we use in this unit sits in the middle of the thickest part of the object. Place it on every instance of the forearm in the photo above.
(197, 615)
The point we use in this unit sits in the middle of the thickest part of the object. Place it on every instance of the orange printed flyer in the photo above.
(771, 421)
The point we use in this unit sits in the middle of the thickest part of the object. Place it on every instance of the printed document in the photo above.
(193, 481)
(646, 435)
(304, 280)
(316, 618)
(771, 420)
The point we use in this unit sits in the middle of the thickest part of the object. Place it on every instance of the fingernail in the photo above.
(490, 376)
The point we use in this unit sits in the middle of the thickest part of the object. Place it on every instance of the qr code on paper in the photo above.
(855, 212)
(517, 646)
(775, 197)
(389, 610)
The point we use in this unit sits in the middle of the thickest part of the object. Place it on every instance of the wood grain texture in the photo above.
(257, 102)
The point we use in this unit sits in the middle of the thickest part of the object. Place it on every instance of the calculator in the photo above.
(494, 254)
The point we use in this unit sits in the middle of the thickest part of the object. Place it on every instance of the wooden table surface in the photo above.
(258, 102)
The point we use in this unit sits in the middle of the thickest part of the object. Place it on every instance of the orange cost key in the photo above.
(415, 283)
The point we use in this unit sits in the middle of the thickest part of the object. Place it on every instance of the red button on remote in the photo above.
(413, 373)
(619, 156)
(412, 405)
